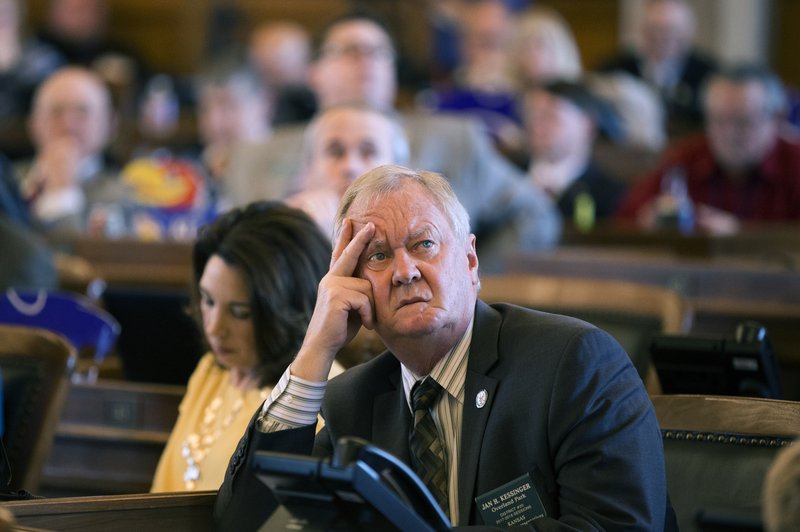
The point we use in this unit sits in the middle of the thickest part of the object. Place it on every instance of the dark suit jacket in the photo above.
(565, 405)
(12, 206)
(684, 103)
(27, 261)
(606, 192)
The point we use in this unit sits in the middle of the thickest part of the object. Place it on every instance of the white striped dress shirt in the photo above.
(295, 402)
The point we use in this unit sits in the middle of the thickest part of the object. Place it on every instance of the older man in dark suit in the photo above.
(525, 398)
(667, 59)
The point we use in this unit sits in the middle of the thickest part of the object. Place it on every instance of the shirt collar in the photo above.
(450, 372)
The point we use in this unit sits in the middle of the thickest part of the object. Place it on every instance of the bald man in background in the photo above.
(71, 125)
(342, 143)
(356, 63)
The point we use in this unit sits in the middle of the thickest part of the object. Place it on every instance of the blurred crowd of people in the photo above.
(660, 135)
(532, 143)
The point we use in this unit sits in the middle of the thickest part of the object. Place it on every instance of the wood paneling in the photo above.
(110, 437)
(170, 35)
(176, 512)
(596, 27)
(786, 40)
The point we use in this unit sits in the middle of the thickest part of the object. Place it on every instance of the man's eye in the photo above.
(368, 150)
(335, 151)
(377, 257)
(425, 245)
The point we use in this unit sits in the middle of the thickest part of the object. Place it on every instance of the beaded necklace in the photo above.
(196, 446)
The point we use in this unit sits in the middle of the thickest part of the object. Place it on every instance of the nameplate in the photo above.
(513, 503)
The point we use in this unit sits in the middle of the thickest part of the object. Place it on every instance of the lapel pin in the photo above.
(481, 398)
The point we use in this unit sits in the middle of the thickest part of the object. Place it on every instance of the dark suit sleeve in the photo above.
(605, 441)
(243, 501)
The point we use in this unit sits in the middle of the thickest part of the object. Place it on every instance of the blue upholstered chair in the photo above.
(90, 329)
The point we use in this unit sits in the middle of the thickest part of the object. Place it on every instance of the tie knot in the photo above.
(424, 394)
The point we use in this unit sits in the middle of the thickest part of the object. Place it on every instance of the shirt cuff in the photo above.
(54, 204)
(293, 403)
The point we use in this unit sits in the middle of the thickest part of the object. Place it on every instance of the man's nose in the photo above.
(354, 164)
(352, 167)
(404, 269)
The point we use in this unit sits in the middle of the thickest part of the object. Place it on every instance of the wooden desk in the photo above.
(176, 512)
(722, 291)
(779, 243)
(129, 262)
(110, 437)
(701, 279)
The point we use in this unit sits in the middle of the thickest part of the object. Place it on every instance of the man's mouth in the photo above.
(411, 301)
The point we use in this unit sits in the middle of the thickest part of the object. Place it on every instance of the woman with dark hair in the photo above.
(255, 276)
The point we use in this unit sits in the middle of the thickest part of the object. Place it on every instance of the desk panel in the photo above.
(176, 512)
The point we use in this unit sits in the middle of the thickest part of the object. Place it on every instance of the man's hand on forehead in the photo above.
(352, 241)
(358, 225)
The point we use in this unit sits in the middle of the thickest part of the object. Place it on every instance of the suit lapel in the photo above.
(391, 419)
(482, 356)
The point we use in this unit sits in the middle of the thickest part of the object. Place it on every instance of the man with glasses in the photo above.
(744, 168)
(355, 63)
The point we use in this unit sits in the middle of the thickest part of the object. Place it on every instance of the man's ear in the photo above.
(472, 259)
(312, 76)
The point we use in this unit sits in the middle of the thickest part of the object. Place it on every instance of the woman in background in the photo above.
(255, 276)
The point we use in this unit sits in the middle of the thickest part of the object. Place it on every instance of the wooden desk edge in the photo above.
(104, 503)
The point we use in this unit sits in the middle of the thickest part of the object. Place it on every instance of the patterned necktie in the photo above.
(427, 449)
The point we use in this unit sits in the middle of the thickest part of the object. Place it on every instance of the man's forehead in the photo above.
(726, 94)
(355, 32)
(355, 120)
(415, 227)
(412, 211)
(71, 88)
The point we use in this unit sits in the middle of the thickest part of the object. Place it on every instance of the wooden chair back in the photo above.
(34, 364)
(631, 312)
(717, 452)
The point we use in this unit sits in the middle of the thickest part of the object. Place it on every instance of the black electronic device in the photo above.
(729, 521)
(362, 487)
(159, 342)
(743, 364)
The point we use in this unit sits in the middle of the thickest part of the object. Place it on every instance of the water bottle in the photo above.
(674, 208)
(160, 109)
(583, 214)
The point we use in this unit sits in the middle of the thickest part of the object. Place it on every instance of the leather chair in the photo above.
(89, 328)
(717, 452)
(630, 312)
(34, 365)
